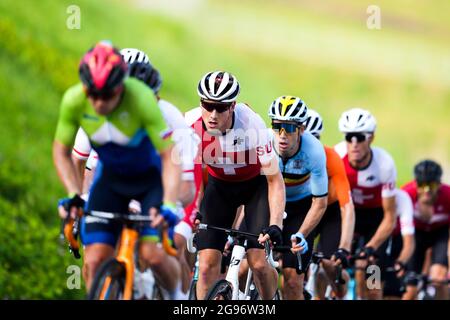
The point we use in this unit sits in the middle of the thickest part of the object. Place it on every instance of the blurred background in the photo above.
(321, 51)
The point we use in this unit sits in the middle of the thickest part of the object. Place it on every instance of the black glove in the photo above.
(198, 216)
(76, 201)
(399, 266)
(367, 253)
(275, 234)
(343, 255)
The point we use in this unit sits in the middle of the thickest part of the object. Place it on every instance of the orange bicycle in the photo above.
(114, 279)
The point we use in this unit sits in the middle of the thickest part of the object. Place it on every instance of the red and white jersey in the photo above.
(405, 213)
(371, 184)
(441, 208)
(238, 154)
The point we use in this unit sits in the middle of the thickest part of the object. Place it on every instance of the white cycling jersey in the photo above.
(371, 184)
(184, 137)
(405, 213)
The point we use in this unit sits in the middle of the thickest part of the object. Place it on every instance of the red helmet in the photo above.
(102, 69)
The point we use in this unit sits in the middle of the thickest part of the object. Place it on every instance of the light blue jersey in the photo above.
(305, 173)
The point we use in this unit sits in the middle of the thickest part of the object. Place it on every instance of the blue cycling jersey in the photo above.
(305, 173)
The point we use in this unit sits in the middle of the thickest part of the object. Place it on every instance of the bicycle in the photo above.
(228, 288)
(115, 277)
(316, 261)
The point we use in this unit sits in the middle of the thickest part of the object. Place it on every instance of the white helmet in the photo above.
(218, 86)
(131, 55)
(357, 120)
(288, 108)
(314, 123)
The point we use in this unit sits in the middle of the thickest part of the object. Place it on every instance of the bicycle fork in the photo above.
(237, 255)
(128, 240)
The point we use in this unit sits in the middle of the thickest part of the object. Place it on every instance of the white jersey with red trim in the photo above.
(238, 154)
(371, 184)
(184, 137)
(405, 213)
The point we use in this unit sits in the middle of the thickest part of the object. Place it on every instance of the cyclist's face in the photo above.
(358, 146)
(105, 105)
(217, 117)
(287, 137)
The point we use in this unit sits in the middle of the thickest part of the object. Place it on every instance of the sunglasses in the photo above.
(428, 186)
(101, 95)
(360, 137)
(287, 127)
(219, 107)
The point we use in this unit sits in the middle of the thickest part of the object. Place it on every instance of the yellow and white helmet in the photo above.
(288, 108)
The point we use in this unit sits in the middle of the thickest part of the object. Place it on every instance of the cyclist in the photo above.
(400, 248)
(242, 170)
(131, 138)
(431, 200)
(302, 162)
(337, 225)
(372, 175)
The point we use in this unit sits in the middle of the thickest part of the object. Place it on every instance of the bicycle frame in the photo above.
(232, 276)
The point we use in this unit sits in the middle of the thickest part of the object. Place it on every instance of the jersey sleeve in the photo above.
(405, 211)
(152, 119)
(82, 147)
(338, 176)
(69, 116)
(388, 176)
(319, 176)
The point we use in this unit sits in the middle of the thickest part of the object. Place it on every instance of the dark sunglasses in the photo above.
(101, 95)
(360, 137)
(219, 107)
(287, 127)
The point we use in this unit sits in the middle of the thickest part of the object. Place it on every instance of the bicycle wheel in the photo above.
(221, 290)
(109, 282)
(193, 290)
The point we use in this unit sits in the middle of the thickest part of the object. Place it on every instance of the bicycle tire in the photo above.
(193, 290)
(112, 289)
(221, 290)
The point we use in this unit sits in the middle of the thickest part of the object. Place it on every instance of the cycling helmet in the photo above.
(288, 108)
(357, 120)
(314, 123)
(218, 86)
(427, 171)
(140, 67)
(102, 68)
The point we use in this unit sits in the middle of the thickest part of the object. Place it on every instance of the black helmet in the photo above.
(427, 171)
(139, 67)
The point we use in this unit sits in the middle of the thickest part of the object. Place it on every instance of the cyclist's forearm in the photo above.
(407, 249)
(383, 232)
(171, 176)
(277, 199)
(314, 215)
(80, 166)
(65, 168)
(347, 226)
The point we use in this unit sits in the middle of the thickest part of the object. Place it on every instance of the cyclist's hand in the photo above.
(368, 253)
(272, 233)
(400, 268)
(299, 243)
(169, 214)
(197, 221)
(228, 244)
(74, 205)
(341, 257)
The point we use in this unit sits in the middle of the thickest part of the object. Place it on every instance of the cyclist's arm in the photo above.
(276, 191)
(66, 130)
(386, 226)
(409, 245)
(336, 171)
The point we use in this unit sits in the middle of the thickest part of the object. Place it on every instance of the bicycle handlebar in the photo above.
(120, 216)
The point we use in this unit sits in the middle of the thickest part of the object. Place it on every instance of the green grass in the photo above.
(318, 50)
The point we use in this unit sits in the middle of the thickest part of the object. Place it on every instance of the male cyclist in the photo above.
(242, 170)
(336, 228)
(302, 162)
(431, 200)
(128, 132)
(372, 175)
